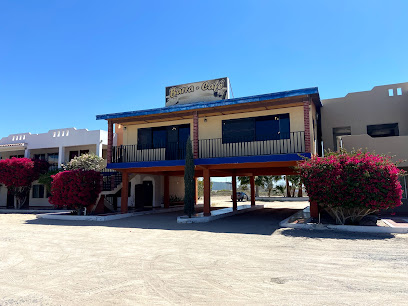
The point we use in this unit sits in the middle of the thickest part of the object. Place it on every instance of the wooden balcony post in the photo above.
(124, 193)
(110, 142)
(166, 199)
(234, 192)
(207, 192)
(252, 183)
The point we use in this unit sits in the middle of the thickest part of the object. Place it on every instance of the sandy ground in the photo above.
(245, 259)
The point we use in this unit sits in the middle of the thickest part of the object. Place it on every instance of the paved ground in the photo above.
(245, 259)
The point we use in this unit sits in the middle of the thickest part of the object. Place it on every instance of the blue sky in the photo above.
(63, 62)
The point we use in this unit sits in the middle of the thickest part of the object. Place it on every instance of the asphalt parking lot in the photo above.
(244, 259)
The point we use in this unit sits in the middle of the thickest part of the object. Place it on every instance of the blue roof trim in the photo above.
(200, 105)
(212, 161)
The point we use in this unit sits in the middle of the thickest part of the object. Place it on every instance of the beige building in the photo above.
(375, 120)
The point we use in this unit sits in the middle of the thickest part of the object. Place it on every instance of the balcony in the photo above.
(396, 146)
(212, 148)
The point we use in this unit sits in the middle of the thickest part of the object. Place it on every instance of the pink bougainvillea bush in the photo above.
(75, 189)
(352, 185)
(17, 174)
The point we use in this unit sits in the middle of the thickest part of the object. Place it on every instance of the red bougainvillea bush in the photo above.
(75, 189)
(18, 174)
(352, 185)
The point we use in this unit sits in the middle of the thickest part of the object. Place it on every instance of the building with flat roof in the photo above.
(57, 147)
(374, 120)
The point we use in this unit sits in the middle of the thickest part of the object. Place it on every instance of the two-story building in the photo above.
(57, 147)
(249, 136)
(375, 120)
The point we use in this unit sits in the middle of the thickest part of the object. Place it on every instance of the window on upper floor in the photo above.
(256, 129)
(337, 133)
(383, 130)
(163, 137)
(17, 156)
(38, 191)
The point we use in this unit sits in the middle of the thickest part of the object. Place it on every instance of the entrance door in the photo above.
(139, 196)
(148, 194)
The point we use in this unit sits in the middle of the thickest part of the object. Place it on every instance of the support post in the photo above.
(195, 134)
(98, 150)
(234, 192)
(166, 200)
(207, 192)
(252, 183)
(287, 187)
(27, 153)
(124, 193)
(306, 118)
(110, 142)
(196, 190)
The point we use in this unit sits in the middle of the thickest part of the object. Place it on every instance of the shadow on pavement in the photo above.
(333, 234)
(259, 222)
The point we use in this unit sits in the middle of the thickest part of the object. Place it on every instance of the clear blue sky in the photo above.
(63, 62)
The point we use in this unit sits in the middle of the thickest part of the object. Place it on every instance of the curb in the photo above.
(345, 228)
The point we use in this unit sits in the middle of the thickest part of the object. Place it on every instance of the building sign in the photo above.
(205, 91)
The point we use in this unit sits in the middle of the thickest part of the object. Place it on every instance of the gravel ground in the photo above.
(245, 259)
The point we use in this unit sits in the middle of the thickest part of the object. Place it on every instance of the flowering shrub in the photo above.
(86, 162)
(351, 185)
(18, 174)
(75, 189)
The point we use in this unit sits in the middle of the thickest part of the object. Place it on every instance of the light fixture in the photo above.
(205, 119)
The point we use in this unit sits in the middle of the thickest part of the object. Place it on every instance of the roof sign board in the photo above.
(205, 91)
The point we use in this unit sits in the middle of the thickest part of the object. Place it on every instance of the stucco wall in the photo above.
(360, 109)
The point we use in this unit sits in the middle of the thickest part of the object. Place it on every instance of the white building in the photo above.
(55, 146)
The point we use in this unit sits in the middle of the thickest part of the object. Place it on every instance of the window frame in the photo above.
(255, 135)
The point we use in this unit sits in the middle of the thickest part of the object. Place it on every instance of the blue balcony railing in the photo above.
(293, 142)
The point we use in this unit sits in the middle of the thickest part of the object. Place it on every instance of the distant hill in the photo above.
(221, 186)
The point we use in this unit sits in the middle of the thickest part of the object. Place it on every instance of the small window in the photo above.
(83, 152)
(399, 91)
(39, 156)
(383, 130)
(390, 92)
(337, 133)
(38, 191)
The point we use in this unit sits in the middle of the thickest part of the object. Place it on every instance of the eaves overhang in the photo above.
(313, 92)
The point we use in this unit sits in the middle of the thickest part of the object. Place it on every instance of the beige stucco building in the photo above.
(374, 120)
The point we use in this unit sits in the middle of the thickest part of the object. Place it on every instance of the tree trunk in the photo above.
(287, 187)
(256, 191)
(300, 192)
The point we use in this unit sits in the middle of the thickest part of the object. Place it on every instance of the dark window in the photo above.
(39, 156)
(83, 152)
(163, 137)
(73, 154)
(238, 130)
(144, 139)
(159, 137)
(38, 191)
(383, 130)
(17, 156)
(256, 129)
(337, 132)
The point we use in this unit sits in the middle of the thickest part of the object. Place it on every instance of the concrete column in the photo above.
(61, 156)
(110, 142)
(234, 192)
(27, 153)
(207, 192)
(124, 193)
(195, 134)
(252, 183)
(166, 196)
(98, 150)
